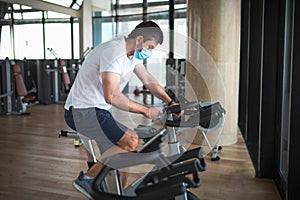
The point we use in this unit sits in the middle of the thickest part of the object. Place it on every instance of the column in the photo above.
(213, 57)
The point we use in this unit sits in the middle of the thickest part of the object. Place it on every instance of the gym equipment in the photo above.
(74, 67)
(175, 76)
(168, 180)
(171, 167)
(15, 97)
(54, 88)
(6, 95)
(20, 87)
(170, 173)
(145, 132)
(61, 66)
(30, 79)
(76, 141)
(84, 54)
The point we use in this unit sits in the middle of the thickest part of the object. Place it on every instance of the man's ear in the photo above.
(139, 40)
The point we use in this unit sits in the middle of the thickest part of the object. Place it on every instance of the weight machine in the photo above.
(14, 95)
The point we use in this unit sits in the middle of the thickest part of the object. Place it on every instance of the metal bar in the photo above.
(12, 34)
(8, 87)
(117, 16)
(44, 35)
(171, 27)
(72, 37)
(56, 93)
(34, 21)
(145, 7)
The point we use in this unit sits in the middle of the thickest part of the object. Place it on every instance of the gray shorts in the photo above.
(97, 124)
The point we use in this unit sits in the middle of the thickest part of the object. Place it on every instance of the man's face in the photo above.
(148, 44)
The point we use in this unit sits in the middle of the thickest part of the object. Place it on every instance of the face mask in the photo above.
(142, 55)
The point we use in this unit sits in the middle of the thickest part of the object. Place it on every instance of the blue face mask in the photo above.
(142, 55)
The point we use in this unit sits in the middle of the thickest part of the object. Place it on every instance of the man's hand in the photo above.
(152, 113)
(179, 113)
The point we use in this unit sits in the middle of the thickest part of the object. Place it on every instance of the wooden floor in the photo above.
(36, 164)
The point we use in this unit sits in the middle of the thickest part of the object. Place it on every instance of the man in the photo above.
(98, 86)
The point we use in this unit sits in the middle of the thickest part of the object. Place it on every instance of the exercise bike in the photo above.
(170, 171)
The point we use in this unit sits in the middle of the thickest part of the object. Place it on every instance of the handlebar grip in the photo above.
(182, 106)
(173, 109)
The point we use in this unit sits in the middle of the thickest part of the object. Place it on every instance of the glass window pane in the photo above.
(108, 31)
(163, 7)
(26, 7)
(7, 16)
(5, 45)
(50, 14)
(76, 40)
(179, 6)
(17, 15)
(157, 63)
(33, 15)
(151, 1)
(286, 94)
(180, 38)
(16, 6)
(125, 28)
(129, 10)
(76, 7)
(106, 13)
(65, 3)
(58, 37)
(79, 2)
(126, 2)
(158, 8)
(29, 41)
(103, 30)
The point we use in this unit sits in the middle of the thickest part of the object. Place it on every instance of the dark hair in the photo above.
(149, 30)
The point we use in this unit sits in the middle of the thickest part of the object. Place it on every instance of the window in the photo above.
(28, 41)
(33, 15)
(55, 15)
(156, 65)
(65, 3)
(58, 38)
(76, 40)
(180, 38)
(5, 43)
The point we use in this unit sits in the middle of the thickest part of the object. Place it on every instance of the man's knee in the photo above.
(129, 141)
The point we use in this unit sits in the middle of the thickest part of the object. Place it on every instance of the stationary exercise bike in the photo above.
(168, 179)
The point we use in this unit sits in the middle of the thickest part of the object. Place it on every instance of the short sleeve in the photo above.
(111, 59)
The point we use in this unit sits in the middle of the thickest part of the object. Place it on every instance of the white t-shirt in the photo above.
(87, 88)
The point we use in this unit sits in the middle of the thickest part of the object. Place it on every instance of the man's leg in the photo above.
(128, 142)
(111, 137)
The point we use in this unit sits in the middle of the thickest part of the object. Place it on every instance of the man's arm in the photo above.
(113, 96)
(151, 83)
